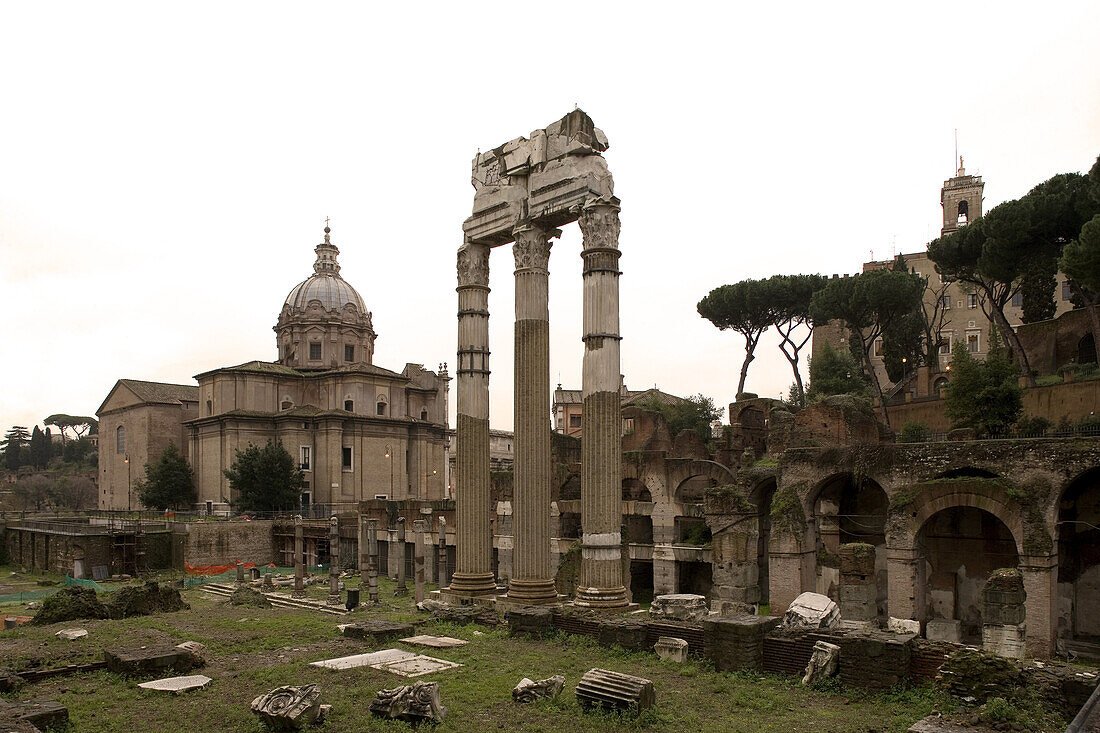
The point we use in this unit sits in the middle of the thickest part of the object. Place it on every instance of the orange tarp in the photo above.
(213, 569)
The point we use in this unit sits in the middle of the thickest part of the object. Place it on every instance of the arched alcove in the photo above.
(1078, 532)
(846, 509)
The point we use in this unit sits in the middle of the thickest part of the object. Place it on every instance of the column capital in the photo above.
(473, 265)
(532, 246)
(599, 222)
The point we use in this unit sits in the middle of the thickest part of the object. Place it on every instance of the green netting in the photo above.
(84, 582)
(230, 576)
(26, 596)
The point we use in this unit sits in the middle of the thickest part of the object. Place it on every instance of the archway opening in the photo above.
(961, 546)
(1086, 349)
(762, 498)
(850, 509)
(692, 489)
(1079, 564)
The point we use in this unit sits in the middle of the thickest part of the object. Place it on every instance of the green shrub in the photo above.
(1034, 427)
(914, 432)
(1089, 425)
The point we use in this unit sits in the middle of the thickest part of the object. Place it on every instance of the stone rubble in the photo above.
(688, 607)
(415, 703)
(812, 611)
(290, 707)
(669, 647)
(529, 690)
(823, 663)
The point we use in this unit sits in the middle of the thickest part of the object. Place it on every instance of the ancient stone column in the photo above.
(402, 589)
(532, 581)
(601, 576)
(372, 561)
(364, 551)
(441, 563)
(299, 568)
(240, 573)
(334, 561)
(420, 526)
(474, 574)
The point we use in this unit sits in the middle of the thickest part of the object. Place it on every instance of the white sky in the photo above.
(165, 168)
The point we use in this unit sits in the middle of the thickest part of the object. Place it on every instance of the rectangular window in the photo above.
(315, 352)
(972, 300)
(628, 426)
(1017, 299)
(972, 344)
(878, 348)
(1067, 291)
(346, 463)
(349, 352)
(303, 457)
(945, 302)
(945, 345)
(574, 421)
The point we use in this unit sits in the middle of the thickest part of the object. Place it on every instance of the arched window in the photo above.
(423, 414)
(120, 439)
(964, 211)
(209, 407)
(287, 404)
(349, 406)
(1086, 349)
(381, 404)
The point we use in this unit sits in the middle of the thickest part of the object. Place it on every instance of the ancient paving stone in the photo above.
(688, 607)
(377, 631)
(416, 703)
(669, 647)
(812, 611)
(415, 666)
(615, 691)
(71, 634)
(291, 708)
(364, 660)
(529, 690)
(148, 660)
(178, 684)
(823, 663)
(39, 714)
(438, 642)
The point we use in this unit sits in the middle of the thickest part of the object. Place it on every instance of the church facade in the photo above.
(357, 430)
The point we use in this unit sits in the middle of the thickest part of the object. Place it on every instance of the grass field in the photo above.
(254, 650)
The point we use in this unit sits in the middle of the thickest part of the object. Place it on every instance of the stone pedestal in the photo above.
(629, 634)
(402, 589)
(601, 575)
(299, 566)
(532, 579)
(334, 561)
(734, 528)
(364, 551)
(473, 575)
(737, 642)
(1040, 574)
(905, 570)
(1004, 630)
(669, 647)
(688, 607)
(240, 573)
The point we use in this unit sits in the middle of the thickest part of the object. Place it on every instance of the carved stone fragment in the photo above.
(823, 663)
(417, 702)
(615, 691)
(291, 708)
(669, 647)
(530, 690)
(688, 607)
(812, 611)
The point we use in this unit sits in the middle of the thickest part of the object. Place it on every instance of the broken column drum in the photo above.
(524, 190)
(334, 560)
(299, 568)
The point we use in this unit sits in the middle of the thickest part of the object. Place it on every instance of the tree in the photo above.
(73, 492)
(1081, 263)
(79, 450)
(835, 372)
(39, 452)
(265, 479)
(168, 483)
(14, 441)
(868, 304)
(79, 424)
(984, 395)
(32, 490)
(790, 297)
(744, 307)
(903, 340)
(691, 413)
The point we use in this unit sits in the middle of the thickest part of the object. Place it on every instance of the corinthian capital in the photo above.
(532, 246)
(473, 264)
(599, 223)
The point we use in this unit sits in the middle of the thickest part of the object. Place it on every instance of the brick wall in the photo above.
(220, 543)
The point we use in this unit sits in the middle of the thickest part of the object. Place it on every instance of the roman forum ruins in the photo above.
(524, 190)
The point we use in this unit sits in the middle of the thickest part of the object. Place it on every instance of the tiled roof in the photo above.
(162, 392)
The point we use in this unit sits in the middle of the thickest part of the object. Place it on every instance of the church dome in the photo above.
(325, 285)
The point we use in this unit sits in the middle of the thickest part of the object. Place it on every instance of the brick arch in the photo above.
(682, 471)
(930, 502)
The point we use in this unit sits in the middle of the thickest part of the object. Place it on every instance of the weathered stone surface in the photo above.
(197, 651)
(530, 690)
(418, 702)
(903, 625)
(291, 708)
(178, 684)
(364, 660)
(462, 615)
(415, 666)
(148, 660)
(437, 642)
(876, 660)
(532, 621)
(669, 647)
(377, 631)
(630, 635)
(688, 607)
(615, 691)
(1004, 630)
(37, 714)
(812, 611)
(71, 634)
(823, 663)
(942, 629)
(737, 642)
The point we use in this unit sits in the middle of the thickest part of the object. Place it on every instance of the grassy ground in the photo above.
(254, 650)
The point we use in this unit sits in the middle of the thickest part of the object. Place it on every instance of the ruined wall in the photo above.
(220, 543)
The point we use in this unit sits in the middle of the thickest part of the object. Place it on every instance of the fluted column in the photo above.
(532, 580)
(474, 542)
(601, 577)
(334, 560)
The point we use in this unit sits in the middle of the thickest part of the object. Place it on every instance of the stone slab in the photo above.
(71, 634)
(416, 666)
(178, 684)
(147, 659)
(903, 625)
(941, 629)
(375, 630)
(39, 714)
(936, 724)
(364, 660)
(437, 642)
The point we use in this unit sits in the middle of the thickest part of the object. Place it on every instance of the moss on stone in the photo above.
(70, 604)
(787, 515)
(728, 499)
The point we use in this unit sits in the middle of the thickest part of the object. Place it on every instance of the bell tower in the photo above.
(961, 198)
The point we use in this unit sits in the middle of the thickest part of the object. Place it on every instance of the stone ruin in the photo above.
(291, 708)
(415, 703)
(530, 690)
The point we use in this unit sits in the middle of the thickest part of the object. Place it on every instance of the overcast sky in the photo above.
(166, 168)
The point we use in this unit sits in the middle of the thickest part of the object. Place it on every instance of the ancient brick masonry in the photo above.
(737, 642)
(876, 660)
(857, 592)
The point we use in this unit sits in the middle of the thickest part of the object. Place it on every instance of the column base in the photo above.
(298, 594)
(335, 600)
(472, 584)
(532, 592)
(601, 597)
(401, 591)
